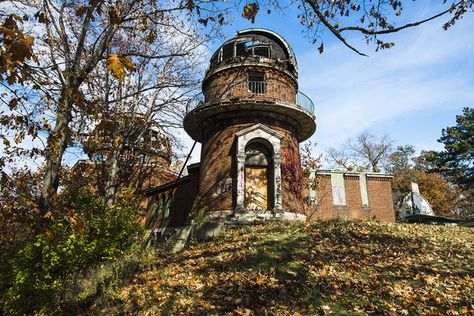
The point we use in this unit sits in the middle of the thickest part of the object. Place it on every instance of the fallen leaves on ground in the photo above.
(329, 267)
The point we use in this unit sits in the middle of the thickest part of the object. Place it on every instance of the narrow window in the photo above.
(228, 51)
(338, 189)
(241, 50)
(168, 205)
(215, 59)
(156, 207)
(363, 189)
(163, 205)
(256, 82)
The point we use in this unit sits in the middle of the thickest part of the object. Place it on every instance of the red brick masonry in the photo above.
(379, 191)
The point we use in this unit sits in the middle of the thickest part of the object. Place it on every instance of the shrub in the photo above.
(85, 234)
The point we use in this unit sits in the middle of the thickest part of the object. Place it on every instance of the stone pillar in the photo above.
(277, 184)
(240, 207)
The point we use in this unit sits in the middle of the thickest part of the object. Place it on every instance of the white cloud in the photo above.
(427, 70)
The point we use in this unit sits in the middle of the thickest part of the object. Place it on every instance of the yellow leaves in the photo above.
(346, 267)
(243, 311)
(75, 222)
(118, 66)
(12, 105)
(429, 279)
(250, 11)
(16, 48)
(19, 138)
(81, 10)
(117, 141)
(49, 234)
(190, 5)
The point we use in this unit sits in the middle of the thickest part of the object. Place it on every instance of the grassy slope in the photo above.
(341, 267)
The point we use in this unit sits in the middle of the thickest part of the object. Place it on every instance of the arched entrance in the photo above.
(258, 180)
(258, 175)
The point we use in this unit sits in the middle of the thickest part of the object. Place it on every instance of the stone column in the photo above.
(278, 208)
(240, 203)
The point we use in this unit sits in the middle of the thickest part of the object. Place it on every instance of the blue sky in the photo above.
(410, 92)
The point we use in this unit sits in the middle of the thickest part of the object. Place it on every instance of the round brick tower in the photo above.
(250, 121)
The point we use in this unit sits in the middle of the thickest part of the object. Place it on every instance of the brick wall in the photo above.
(218, 170)
(184, 194)
(379, 191)
(380, 198)
(232, 83)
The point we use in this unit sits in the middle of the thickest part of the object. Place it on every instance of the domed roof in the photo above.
(258, 45)
(283, 43)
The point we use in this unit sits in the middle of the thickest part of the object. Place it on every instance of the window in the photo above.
(228, 51)
(156, 207)
(144, 158)
(162, 205)
(263, 51)
(338, 189)
(241, 49)
(168, 205)
(363, 189)
(215, 59)
(256, 82)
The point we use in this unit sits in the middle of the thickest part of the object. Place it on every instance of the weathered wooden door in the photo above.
(256, 187)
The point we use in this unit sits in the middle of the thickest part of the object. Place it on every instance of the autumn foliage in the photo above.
(338, 267)
(40, 268)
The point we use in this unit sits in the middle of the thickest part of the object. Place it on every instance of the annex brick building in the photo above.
(250, 121)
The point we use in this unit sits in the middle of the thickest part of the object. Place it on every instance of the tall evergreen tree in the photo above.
(457, 159)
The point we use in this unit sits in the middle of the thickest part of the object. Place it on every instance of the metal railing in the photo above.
(258, 89)
(303, 101)
(195, 102)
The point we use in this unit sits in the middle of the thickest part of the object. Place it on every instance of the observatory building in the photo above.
(251, 117)
(250, 120)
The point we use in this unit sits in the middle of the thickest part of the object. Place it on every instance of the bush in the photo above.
(85, 234)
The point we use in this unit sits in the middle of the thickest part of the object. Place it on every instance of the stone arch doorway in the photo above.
(258, 161)
(258, 175)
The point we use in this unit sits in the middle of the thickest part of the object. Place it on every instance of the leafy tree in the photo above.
(443, 197)
(457, 159)
(401, 158)
(365, 152)
(53, 59)
(40, 269)
(425, 161)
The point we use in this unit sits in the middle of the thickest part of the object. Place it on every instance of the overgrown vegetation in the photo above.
(340, 267)
(39, 273)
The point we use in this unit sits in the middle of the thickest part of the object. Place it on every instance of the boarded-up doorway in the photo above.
(258, 176)
(256, 187)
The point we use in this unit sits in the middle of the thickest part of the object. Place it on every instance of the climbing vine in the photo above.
(291, 170)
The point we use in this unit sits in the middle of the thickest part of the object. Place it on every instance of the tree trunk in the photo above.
(111, 185)
(57, 144)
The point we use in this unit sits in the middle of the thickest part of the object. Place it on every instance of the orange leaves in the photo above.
(117, 141)
(118, 66)
(332, 267)
(16, 48)
(250, 11)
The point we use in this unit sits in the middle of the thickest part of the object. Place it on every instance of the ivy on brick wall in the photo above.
(291, 170)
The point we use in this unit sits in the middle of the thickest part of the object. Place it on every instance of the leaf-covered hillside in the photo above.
(339, 267)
